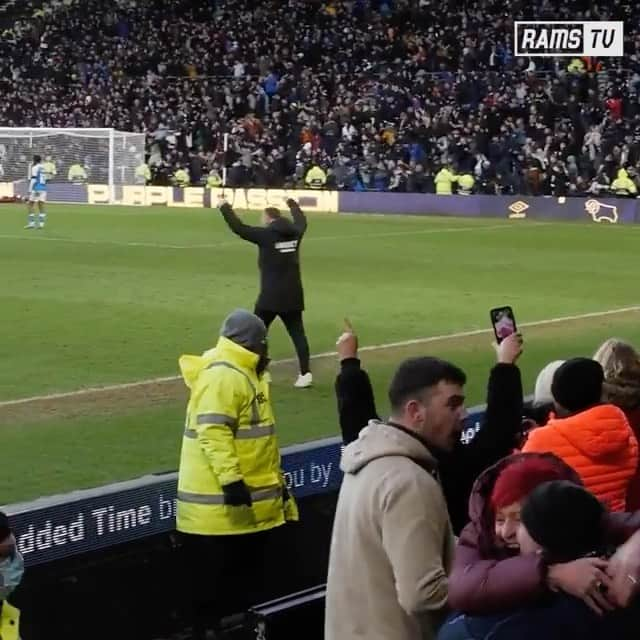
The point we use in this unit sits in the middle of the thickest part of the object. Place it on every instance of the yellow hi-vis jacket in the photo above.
(76, 173)
(465, 184)
(444, 181)
(50, 169)
(316, 178)
(623, 185)
(229, 436)
(181, 176)
(9, 622)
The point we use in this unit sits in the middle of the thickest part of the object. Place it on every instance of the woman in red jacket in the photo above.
(489, 575)
(621, 364)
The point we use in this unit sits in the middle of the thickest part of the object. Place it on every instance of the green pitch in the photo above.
(108, 295)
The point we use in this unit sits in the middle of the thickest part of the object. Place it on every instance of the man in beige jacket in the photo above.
(392, 543)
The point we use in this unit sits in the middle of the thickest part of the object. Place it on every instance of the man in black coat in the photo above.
(458, 469)
(281, 292)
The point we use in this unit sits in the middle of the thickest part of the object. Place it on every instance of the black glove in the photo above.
(285, 494)
(236, 494)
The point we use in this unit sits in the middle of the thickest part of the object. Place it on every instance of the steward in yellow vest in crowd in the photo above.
(77, 173)
(465, 184)
(444, 181)
(623, 185)
(181, 177)
(50, 169)
(316, 177)
(576, 66)
(230, 480)
(143, 173)
(214, 180)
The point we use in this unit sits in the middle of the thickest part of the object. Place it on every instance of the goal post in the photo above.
(71, 156)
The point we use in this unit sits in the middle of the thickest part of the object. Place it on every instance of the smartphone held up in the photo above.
(503, 322)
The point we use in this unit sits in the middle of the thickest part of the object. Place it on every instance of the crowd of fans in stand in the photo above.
(377, 94)
(545, 510)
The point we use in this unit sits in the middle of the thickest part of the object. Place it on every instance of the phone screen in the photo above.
(504, 322)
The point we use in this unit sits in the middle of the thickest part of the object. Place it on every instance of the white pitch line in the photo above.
(215, 245)
(326, 354)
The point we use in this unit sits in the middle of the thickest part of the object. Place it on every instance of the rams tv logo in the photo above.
(552, 39)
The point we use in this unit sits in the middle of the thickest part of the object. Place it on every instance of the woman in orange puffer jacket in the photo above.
(594, 439)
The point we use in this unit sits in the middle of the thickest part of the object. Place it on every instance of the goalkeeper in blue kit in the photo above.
(37, 195)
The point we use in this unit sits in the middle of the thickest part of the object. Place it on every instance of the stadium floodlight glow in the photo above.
(105, 156)
(567, 38)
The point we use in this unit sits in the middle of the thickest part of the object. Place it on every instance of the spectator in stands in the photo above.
(231, 491)
(445, 179)
(561, 524)
(465, 184)
(621, 365)
(77, 173)
(593, 438)
(50, 169)
(390, 81)
(142, 173)
(181, 177)
(542, 404)
(316, 177)
(497, 436)
(542, 395)
(214, 179)
(11, 572)
(392, 543)
(488, 575)
(623, 185)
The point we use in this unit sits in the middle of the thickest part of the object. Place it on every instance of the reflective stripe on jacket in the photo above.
(229, 436)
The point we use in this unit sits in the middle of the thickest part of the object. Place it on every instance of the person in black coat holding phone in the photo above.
(458, 470)
(281, 291)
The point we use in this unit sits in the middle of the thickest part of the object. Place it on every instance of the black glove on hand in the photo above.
(236, 494)
(285, 494)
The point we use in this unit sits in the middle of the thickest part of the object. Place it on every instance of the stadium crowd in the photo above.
(545, 510)
(400, 95)
(389, 95)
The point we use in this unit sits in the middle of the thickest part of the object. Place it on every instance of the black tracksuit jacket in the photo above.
(278, 258)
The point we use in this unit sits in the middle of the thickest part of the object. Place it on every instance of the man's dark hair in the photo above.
(37, 159)
(415, 375)
(273, 212)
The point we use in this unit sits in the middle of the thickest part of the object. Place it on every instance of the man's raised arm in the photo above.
(299, 219)
(257, 235)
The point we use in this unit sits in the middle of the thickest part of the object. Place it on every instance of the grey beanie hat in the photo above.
(246, 329)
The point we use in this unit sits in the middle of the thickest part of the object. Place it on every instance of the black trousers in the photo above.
(225, 575)
(295, 328)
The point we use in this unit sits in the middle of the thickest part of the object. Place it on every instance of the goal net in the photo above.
(71, 156)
